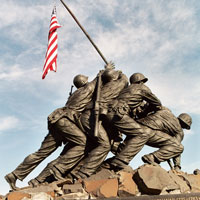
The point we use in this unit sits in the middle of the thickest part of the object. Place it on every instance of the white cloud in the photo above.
(8, 122)
(145, 36)
(13, 73)
(16, 73)
(178, 90)
(22, 21)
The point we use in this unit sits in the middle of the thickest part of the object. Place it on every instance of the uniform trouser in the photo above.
(49, 145)
(98, 154)
(73, 151)
(138, 136)
(169, 147)
(62, 130)
(177, 162)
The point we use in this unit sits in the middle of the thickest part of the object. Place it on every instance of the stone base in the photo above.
(146, 182)
(192, 196)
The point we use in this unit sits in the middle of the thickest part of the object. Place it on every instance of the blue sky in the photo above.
(159, 38)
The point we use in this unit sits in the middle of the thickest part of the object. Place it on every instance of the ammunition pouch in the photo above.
(121, 110)
(56, 115)
(59, 113)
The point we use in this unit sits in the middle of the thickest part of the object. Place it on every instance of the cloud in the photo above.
(177, 90)
(16, 73)
(21, 20)
(8, 123)
(137, 36)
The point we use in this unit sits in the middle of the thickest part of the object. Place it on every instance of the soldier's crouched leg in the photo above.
(150, 159)
(131, 147)
(65, 163)
(74, 149)
(97, 155)
(169, 147)
(49, 144)
(166, 153)
(44, 176)
(34, 182)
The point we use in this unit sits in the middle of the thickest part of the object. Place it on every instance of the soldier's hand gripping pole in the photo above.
(96, 106)
(87, 35)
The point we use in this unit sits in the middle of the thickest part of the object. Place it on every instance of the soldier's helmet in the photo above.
(137, 77)
(110, 75)
(186, 119)
(80, 80)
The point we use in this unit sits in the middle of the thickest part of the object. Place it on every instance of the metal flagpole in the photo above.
(84, 32)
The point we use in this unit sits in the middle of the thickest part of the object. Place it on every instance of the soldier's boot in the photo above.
(56, 173)
(11, 179)
(80, 175)
(150, 159)
(34, 182)
(76, 178)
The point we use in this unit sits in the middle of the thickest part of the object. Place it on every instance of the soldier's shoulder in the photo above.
(124, 77)
(145, 87)
(90, 86)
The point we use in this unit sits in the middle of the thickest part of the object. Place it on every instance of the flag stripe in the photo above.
(50, 64)
(51, 46)
(50, 58)
(54, 23)
(51, 53)
(52, 35)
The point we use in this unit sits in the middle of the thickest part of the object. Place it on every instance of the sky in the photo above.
(158, 38)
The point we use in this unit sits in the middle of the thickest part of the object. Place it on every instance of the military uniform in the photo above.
(138, 135)
(62, 128)
(109, 91)
(165, 121)
(121, 109)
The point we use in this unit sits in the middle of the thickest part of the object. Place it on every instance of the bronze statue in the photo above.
(108, 107)
(114, 83)
(62, 129)
(92, 120)
(165, 121)
(98, 146)
(138, 135)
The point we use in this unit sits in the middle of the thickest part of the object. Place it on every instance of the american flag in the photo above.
(51, 54)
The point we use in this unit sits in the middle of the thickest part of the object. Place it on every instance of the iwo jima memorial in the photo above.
(112, 113)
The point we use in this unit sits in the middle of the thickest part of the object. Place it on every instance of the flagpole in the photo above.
(87, 35)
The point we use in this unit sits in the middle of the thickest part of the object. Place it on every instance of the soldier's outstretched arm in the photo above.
(151, 98)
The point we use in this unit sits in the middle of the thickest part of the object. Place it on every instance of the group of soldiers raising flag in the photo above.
(108, 114)
(94, 121)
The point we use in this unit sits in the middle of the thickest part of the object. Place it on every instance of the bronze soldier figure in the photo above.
(185, 121)
(62, 128)
(165, 121)
(112, 83)
(121, 113)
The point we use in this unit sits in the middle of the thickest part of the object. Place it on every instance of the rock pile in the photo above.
(146, 180)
